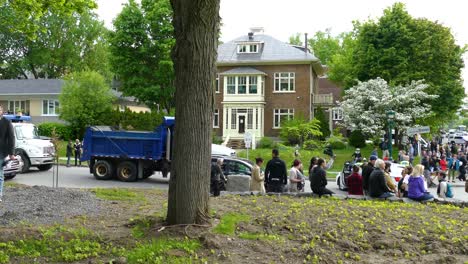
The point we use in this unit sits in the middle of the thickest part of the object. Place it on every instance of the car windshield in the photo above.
(26, 132)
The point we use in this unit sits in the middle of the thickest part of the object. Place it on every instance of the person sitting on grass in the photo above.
(388, 179)
(355, 182)
(416, 185)
(377, 185)
(318, 179)
(444, 190)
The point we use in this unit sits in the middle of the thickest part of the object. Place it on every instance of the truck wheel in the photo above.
(102, 170)
(127, 171)
(45, 167)
(26, 162)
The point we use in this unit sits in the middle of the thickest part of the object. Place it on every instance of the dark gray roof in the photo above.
(243, 70)
(30, 86)
(272, 50)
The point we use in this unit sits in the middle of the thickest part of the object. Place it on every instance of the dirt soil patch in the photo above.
(268, 229)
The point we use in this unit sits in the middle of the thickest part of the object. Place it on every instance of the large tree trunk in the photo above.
(196, 32)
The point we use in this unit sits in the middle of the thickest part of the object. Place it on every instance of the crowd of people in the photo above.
(373, 177)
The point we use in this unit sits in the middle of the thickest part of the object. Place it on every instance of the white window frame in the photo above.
(278, 78)
(247, 48)
(217, 90)
(17, 104)
(216, 118)
(247, 84)
(56, 107)
(337, 114)
(277, 112)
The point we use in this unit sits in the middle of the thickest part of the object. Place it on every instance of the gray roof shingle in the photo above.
(243, 70)
(272, 50)
(30, 86)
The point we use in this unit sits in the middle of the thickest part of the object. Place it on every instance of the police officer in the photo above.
(276, 173)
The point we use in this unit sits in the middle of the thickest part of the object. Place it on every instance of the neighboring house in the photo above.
(39, 98)
(329, 94)
(35, 97)
(261, 82)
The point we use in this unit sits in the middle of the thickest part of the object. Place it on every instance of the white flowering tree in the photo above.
(365, 105)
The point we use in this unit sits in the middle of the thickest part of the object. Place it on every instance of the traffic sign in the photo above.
(248, 137)
(418, 130)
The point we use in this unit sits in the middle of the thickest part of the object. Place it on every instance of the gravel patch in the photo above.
(46, 205)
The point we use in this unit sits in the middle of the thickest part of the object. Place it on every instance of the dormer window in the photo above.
(247, 48)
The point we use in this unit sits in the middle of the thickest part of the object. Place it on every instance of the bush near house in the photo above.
(298, 130)
(63, 131)
(336, 142)
(266, 142)
(357, 139)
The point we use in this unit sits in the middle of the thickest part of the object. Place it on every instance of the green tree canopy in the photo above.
(401, 49)
(84, 99)
(325, 46)
(141, 46)
(65, 43)
(26, 14)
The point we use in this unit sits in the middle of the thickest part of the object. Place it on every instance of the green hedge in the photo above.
(336, 142)
(357, 139)
(266, 142)
(63, 131)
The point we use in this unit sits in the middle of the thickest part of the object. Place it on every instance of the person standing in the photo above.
(7, 145)
(276, 173)
(318, 179)
(257, 183)
(216, 177)
(366, 172)
(453, 166)
(384, 147)
(463, 161)
(377, 184)
(77, 147)
(69, 151)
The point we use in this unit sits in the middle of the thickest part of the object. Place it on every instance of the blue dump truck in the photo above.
(128, 155)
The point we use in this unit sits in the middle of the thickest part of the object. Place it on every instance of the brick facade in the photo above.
(299, 100)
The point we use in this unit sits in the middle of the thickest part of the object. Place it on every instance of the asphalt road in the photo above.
(79, 177)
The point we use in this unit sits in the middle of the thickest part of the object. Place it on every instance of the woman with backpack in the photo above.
(444, 190)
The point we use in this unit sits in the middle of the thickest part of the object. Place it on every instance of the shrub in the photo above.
(312, 144)
(298, 130)
(63, 131)
(324, 125)
(336, 142)
(356, 139)
(266, 142)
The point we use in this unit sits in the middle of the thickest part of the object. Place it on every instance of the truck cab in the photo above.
(34, 150)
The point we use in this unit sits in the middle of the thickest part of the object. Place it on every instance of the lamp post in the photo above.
(390, 120)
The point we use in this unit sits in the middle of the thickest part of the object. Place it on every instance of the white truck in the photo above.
(34, 150)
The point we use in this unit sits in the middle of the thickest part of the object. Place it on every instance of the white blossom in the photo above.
(365, 105)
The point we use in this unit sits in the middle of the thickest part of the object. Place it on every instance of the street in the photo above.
(79, 177)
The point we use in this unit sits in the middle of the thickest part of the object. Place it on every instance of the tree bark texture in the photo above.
(196, 25)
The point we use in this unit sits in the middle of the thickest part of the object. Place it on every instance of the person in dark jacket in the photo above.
(463, 161)
(318, 179)
(77, 147)
(276, 173)
(366, 172)
(69, 151)
(217, 177)
(7, 145)
(377, 184)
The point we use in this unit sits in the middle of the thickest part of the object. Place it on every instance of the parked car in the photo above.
(222, 150)
(12, 167)
(234, 166)
(395, 173)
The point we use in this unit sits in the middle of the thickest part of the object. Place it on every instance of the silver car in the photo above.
(12, 167)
